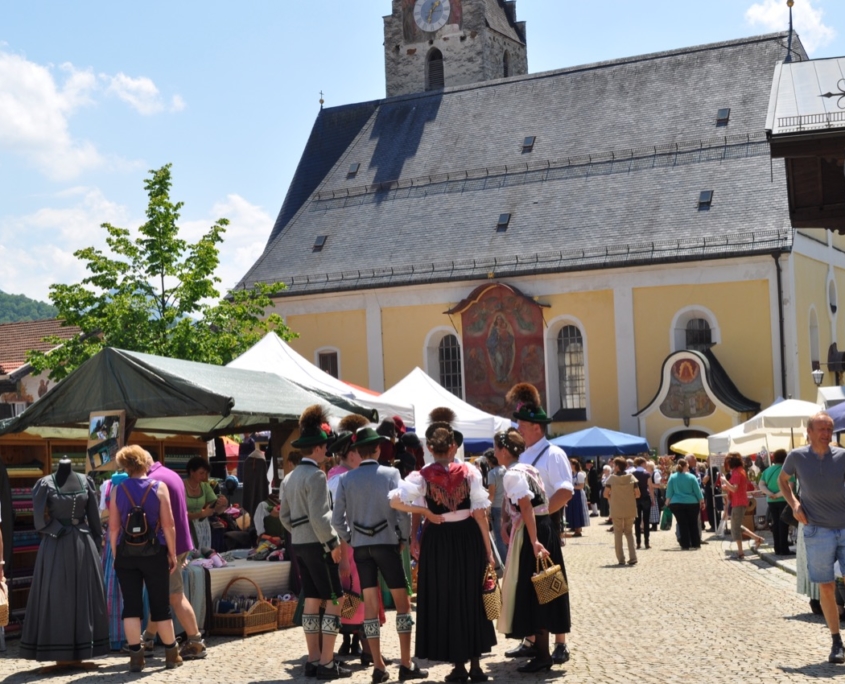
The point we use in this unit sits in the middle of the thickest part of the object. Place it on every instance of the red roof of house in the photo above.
(16, 339)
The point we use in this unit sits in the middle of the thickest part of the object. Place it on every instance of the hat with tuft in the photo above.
(525, 399)
(443, 417)
(314, 429)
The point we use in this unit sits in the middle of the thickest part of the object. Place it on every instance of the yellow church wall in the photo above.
(594, 310)
(742, 312)
(404, 333)
(811, 291)
(341, 330)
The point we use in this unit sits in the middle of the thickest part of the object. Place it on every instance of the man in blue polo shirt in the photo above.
(820, 469)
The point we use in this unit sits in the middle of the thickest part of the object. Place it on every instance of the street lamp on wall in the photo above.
(818, 377)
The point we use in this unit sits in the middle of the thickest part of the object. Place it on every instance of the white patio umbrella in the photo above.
(783, 416)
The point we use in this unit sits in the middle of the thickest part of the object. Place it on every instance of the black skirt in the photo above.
(451, 623)
(529, 617)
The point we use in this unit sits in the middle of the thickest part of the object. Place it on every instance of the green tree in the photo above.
(157, 294)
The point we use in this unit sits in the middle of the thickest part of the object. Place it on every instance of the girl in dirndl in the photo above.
(532, 537)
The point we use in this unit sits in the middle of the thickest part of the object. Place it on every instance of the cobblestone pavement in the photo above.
(677, 616)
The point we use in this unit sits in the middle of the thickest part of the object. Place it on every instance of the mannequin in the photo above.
(66, 616)
(64, 470)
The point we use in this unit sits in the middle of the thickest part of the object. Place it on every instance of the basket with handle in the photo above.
(285, 611)
(491, 594)
(549, 582)
(262, 616)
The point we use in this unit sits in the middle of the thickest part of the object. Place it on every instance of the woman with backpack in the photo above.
(142, 535)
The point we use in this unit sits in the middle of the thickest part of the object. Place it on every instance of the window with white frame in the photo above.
(328, 363)
(695, 328)
(571, 374)
(449, 365)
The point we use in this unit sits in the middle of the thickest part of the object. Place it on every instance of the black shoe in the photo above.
(311, 669)
(413, 672)
(477, 675)
(560, 655)
(837, 652)
(639, 545)
(536, 665)
(457, 675)
(380, 676)
(344, 647)
(526, 649)
(816, 607)
(334, 670)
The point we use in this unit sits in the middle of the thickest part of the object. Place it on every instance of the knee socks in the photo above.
(404, 622)
(330, 625)
(372, 628)
(311, 623)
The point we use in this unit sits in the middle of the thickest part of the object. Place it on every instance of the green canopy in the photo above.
(164, 395)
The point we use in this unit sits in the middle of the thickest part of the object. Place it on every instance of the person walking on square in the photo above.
(306, 513)
(820, 469)
(533, 536)
(452, 625)
(621, 490)
(643, 517)
(555, 469)
(774, 499)
(364, 519)
(683, 496)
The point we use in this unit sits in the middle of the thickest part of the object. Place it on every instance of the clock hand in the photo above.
(434, 6)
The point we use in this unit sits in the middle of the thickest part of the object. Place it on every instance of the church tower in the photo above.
(432, 44)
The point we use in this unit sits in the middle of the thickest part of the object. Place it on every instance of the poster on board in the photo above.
(105, 438)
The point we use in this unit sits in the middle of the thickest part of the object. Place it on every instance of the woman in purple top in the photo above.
(137, 572)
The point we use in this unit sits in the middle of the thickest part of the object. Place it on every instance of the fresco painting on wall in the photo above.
(502, 345)
(687, 397)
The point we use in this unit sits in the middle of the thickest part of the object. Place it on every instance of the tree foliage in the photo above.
(14, 308)
(156, 293)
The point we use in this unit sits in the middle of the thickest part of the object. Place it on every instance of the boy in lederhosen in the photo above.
(305, 512)
(364, 518)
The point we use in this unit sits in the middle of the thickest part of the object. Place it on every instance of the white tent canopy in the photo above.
(426, 394)
(274, 355)
(787, 414)
(780, 426)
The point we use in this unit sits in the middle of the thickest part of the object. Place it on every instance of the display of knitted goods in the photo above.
(234, 604)
(34, 468)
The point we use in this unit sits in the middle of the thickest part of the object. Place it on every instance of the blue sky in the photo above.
(94, 94)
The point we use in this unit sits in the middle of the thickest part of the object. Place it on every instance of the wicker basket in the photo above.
(285, 611)
(549, 582)
(261, 617)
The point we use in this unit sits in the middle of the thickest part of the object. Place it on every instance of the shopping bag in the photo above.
(666, 519)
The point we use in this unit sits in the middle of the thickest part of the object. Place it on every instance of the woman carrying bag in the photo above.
(532, 538)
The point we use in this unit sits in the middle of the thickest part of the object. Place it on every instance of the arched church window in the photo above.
(435, 76)
(571, 374)
(449, 359)
(506, 64)
(698, 334)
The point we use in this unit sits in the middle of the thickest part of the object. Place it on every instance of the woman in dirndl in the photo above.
(532, 537)
(452, 625)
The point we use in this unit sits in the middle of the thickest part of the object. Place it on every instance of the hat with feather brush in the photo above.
(443, 417)
(314, 428)
(525, 400)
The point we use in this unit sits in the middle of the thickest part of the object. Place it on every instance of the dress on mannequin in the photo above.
(66, 618)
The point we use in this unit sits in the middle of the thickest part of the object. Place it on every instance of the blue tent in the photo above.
(596, 441)
(837, 412)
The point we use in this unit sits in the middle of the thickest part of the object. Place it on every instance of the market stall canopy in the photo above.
(596, 441)
(173, 396)
(828, 397)
(838, 415)
(697, 446)
(273, 355)
(425, 394)
(787, 414)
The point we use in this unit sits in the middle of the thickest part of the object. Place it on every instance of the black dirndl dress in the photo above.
(529, 617)
(451, 623)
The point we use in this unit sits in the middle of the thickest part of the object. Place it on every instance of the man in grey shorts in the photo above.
(820, 469)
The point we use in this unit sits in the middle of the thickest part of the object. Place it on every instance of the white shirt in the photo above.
(553, 465)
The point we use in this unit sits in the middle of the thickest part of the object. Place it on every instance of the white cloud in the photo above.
(37, 102)
(244, 239)
(139, 93)
(34, 112)
(773, 15)
(37, 249)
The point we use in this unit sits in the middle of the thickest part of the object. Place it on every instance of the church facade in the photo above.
(615, 233)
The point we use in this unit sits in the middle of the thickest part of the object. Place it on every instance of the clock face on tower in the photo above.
(432, 15)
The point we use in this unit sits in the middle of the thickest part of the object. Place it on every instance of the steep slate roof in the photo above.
(16, 339)
(499, 21)
(623, 150)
